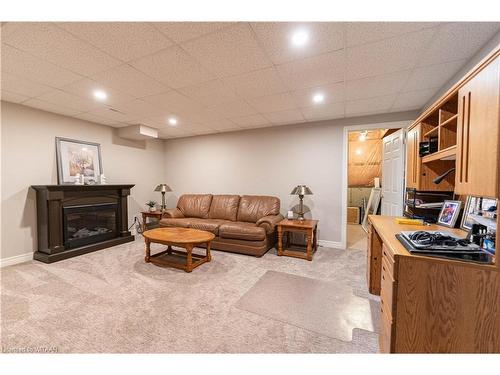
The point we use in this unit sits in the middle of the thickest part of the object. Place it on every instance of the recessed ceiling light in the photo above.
(300, 38)
(172, 121)
(318, 97)
(359, 151)
(100, 95)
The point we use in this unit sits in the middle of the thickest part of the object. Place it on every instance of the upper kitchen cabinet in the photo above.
(478, 134)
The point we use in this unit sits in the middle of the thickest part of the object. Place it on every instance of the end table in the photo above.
(146, 214)
(308, 227)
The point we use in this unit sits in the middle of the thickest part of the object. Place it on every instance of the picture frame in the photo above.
(474, 207)
(77, 157)
(449, 213)
(372, 206)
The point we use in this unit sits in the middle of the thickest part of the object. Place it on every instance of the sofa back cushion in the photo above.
(224, 207)
(254, 207)
(195, 205)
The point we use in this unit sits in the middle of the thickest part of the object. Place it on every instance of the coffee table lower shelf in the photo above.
(178, 259)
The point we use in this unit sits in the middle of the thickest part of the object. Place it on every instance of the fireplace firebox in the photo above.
(77, 219)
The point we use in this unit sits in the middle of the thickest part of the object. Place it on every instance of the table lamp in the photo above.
(301, 190)
(163, 188)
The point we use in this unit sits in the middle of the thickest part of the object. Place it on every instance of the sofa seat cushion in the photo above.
(175, 222)
(242, 231)
(209, 225)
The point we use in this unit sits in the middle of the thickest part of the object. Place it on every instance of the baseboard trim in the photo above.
(333, 244)
(16, 259)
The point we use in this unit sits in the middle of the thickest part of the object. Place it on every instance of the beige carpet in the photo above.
(111, 301)
(319, 306)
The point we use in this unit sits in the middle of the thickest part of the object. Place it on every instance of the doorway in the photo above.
(373, 156)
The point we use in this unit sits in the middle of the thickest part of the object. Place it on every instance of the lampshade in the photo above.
(301, 190)
(163, 187)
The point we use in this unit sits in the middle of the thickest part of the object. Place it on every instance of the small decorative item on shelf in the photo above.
(78, 180)
(151, 205)
(102, 179)
(289, 215)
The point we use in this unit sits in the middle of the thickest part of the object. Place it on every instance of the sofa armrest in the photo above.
(269, 222)
(173, 213)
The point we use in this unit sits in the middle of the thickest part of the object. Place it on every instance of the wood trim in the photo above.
(467, 77)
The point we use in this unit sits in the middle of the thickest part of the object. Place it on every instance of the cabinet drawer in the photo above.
(388, 286)
(385, 336)
(389, 261)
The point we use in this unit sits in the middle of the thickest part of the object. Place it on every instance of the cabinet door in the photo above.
(412, 158)
(478, 134)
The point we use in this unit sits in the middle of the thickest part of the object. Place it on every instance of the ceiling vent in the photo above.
(138, 132)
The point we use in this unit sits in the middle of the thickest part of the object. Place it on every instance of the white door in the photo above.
(393, 164)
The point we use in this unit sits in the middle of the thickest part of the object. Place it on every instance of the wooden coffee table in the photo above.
(182, 237)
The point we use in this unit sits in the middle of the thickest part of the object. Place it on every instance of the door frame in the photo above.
(345, 162)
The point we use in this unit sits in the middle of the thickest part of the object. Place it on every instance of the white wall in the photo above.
(270, 161)
(28, 158)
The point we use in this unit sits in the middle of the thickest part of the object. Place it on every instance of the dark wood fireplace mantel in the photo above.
(53, 201)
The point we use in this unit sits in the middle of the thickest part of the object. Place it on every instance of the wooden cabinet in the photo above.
(412, 158)
(429, 304)
(478, 134)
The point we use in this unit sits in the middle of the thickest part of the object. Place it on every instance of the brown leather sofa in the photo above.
(245, 224)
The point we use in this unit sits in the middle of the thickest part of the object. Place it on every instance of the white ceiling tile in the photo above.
(138, 107)
(45, 40)
(367, 32)
(31, 68)
(202, 116)
(390, 55)
(8, 96)
(382, 85)
(230, 51)
(274, 103)
(369, 106)
(250, 121)
(95, 119)
(119, 118)
(324, 111)
(172, 132)
(432, 76)
(68, 100)
(314, 71)
(50, 107)
(123, 40)
(285, 117)
(19, 85)
(222, 124)
(86, 87)
(211, 92)
(276, 37)
(456, 41)
(413, 99)
(257, 83)
(333, 93)
(183, 31)
(129, 80)
(173, 67)
(236, 108)
(173, 102)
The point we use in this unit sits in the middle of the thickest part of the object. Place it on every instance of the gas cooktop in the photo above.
(442, 244)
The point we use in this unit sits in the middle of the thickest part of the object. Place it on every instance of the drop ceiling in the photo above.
(216, 77)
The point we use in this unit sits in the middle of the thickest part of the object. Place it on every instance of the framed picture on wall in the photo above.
(449, 213)
(77, 157)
